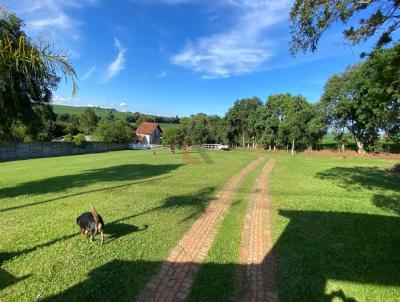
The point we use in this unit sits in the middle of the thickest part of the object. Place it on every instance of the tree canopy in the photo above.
(365, 99)
(29, 72)
(310, 19)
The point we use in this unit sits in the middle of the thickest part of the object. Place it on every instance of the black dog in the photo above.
(91, 223)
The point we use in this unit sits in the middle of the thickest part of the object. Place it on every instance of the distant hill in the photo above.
(102, 112)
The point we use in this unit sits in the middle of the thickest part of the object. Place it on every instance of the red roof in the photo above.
(147, 128)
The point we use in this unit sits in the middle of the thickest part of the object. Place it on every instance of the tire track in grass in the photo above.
(215, 280)
(175, 278)
(256, 271)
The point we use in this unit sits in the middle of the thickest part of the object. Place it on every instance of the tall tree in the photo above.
(197, 129)
(29, 73)
(348, 110)
(365, 99)
(217, 130)
(88, 121)
(274, 116)
(238, 117)
(291, 121)
(310, 19)
(173, 136)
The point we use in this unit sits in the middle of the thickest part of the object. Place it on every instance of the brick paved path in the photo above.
(175, 278)
(256, 270)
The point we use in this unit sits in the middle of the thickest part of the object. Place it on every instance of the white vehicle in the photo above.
(134, 146)
(223, 147)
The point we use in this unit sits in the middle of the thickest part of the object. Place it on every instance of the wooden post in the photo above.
(292, 147)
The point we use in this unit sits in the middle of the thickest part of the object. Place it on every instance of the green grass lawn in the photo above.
(148, 202)
(336, 229)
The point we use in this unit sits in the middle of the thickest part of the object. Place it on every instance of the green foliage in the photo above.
(291, 119)
(72, 125)
(20, 133)
(197, 129)
(29, 73)
(364, 99)
(114, 131)
(238, 120)
(88, 121)
(202, 128)
(68, 137)
(110, 115)
(173, 136)
(310, 19)
(79, 140)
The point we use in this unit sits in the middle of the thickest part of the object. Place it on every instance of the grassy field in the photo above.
(100, 112)
(336, 229)
(147, 201)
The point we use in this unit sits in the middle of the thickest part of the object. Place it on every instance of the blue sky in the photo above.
(181, 57)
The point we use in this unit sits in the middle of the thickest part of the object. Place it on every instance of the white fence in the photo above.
(215, 146)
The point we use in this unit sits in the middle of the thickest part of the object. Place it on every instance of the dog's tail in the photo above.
(95, 214)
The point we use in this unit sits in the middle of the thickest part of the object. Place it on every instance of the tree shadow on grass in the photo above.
(112, 230)
(118, 280)
(354, 178)
(358, 178)
(314, 248)
(106, 189)
(116, 229)
(204, 155)
(319, 246)
(197, 200)
(6, 279)
(109, 174)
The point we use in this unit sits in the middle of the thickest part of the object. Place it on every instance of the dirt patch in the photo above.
(351, 154)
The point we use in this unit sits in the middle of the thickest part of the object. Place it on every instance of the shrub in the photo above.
(79, 140)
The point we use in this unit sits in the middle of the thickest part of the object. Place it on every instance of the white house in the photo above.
(148, 133)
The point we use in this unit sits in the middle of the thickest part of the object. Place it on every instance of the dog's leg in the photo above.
(102, 237)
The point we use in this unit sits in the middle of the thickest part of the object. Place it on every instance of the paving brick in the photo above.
(176, 274)
(256, 245)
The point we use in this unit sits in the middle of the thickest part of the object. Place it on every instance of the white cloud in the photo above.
(65, 100)
(242, 48)
(119, 62)
(51, 18)
(88, 73)
(123, 104)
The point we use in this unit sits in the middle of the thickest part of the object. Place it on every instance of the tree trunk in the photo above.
(292, 147)
(244, 146)
(360, 145)
(343, 147)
